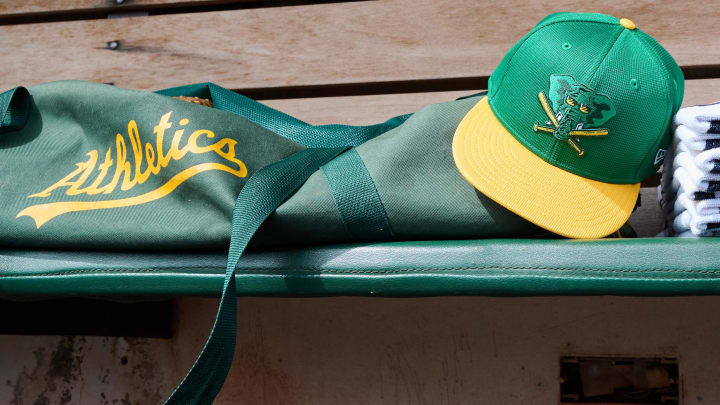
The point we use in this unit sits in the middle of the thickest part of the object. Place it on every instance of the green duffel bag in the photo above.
(108, 167)
(93, 166)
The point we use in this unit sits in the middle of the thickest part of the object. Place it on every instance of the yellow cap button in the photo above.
(627, 23)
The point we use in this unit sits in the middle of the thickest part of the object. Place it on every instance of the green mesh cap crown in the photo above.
(590, 94)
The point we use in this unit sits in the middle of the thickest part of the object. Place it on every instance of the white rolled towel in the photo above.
(687, 217)
(702, 180)
(702, 119)
(692, 139)
(706, 153)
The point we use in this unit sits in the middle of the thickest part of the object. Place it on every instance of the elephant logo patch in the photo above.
(574, 111)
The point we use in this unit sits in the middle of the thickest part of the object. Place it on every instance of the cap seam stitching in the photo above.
(534, 31)
(591, 81)
(669, 106)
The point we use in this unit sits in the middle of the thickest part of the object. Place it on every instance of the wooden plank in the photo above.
(365, 110)
(359, 42)
(360, 110)
(701, 92)
(13, 8)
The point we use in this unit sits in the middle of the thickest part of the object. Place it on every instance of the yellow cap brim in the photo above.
(501, 168)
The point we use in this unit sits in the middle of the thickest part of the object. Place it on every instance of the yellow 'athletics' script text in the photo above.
(127, 174)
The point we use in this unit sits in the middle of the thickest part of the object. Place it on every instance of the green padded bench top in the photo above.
(502, 267)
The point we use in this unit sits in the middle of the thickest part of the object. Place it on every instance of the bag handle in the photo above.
(14, 109)
(262, 194)
(312, 136)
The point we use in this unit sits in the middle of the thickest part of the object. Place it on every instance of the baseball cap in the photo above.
(577, 114)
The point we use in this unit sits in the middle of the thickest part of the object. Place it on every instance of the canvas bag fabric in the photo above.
(73, 176)
(406, 167)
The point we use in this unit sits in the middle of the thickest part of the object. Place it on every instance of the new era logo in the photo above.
(659, 156)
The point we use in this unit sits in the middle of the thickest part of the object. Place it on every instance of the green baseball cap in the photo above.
(578, 113)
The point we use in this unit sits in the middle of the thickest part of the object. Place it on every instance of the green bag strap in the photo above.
(357, 198)
(481, 93)
(259, 198)
(14, 109)
(312, 136)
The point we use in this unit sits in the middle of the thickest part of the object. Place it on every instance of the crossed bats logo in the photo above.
(574, 110)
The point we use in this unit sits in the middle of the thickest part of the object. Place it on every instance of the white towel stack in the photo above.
(690, 188)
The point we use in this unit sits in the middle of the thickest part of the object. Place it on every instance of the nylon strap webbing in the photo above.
(356, 197)
(259, 198)
(312, 136)
(14, 109)
(270, 187)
